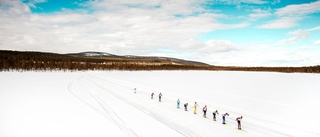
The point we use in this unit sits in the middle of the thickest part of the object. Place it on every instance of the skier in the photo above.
(195, 108)
(178, 103)
(214, 115)
(239, 122)
(186, 106)
(160, 95)
(135, 90)
(224, 118)
(152, 95)
(204, 109)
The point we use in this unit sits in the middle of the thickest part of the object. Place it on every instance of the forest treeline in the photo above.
(17, 60)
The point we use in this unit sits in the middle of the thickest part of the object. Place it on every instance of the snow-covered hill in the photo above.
(93, 54)
(37, 104)
(151, 58)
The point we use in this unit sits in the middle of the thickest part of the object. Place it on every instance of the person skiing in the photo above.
(224, 118)
(195, 108)
(178, 103)
(160, 95)
(204, 109)
(186, 106)
(214, 115)
(135, 90)
(152, 95)
(239, 122)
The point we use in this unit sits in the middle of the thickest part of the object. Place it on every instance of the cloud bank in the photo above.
(152, 27)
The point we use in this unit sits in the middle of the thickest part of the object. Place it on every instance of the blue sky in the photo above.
(218, 32)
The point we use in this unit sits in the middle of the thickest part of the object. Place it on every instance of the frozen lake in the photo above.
(103, 103)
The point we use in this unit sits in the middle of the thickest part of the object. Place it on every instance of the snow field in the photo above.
(97, 103)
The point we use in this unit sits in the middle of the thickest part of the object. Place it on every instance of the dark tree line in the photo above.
(15, 60)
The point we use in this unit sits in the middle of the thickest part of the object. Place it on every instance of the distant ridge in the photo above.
(92, 54)
(153, 58)
(31, 61)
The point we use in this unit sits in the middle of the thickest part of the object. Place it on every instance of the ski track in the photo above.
(111, 115)
(169, 103)
(180, 127)
(184, 130)
(269, 130)
(190, 128)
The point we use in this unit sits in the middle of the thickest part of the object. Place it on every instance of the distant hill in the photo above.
(30, 61)
(151, 58)
(92, 54)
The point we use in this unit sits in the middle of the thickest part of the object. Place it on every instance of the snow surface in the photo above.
(97, 103)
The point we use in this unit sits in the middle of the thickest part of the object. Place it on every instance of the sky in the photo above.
(217, 32)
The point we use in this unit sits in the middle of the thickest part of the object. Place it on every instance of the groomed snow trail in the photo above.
(94, 103)
(181, 128)
(110, 114)
(107, 90)
(113, 89)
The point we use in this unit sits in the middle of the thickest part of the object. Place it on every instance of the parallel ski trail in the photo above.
(184, 130)
(110, 114)
(252, 126)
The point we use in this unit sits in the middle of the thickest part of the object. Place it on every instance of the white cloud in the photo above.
(13, 7)
(131, 27)
(283, 22)
(290, 15)
(168, 7)
(31, 3)
(315, 28)
(317, 42)
(254, 1)
(115, 28)
(213, 46)
(297, 35)
(299, 9)
(258, 13)
(236, 2)
(194, 50)
(260, 55)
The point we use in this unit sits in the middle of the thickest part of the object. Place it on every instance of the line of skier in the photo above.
(204, 110)
(215, 113)
(160, 95)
